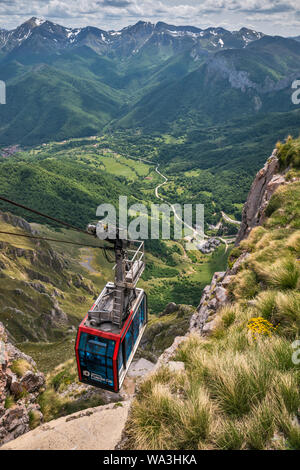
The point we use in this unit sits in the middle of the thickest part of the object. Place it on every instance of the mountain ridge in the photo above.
(100, 39)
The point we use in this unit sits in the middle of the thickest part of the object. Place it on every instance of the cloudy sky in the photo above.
(269, 16)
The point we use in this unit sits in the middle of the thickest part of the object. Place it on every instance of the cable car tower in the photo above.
(109, 335)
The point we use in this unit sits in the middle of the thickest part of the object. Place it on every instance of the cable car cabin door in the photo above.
(131, 336)
(96, 360)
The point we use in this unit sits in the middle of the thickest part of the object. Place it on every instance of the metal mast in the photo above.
(129, 266)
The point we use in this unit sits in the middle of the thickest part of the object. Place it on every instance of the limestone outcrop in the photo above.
(264, 185)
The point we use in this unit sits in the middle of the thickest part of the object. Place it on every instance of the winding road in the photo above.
(194, 231)
(228, 219)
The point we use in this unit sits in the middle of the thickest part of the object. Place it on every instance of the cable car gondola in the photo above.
(109, 335)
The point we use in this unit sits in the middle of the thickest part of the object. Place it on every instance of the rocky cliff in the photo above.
(264, 185)
(20, 385)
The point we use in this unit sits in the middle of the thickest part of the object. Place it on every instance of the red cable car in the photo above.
(109, 335)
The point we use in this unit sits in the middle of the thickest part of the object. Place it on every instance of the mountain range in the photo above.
(37, 36)
(65, 82)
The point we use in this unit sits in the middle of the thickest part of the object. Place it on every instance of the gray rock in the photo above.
(140, 368)
(209, 327)
(17, 222)
(13, 423)
(176, 366)
(170, 308)
(265, 183)
(39, 287)
(227, 280)
(235, 268)
(221, 294)
(212, 304)
(33, 382)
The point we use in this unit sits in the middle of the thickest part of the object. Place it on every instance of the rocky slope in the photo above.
(37, 284)
(20, 385)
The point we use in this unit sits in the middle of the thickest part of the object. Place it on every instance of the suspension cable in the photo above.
(58, 221)
(55, 240)
(106, 255)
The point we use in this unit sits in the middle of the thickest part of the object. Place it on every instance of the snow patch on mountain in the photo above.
(38, 21)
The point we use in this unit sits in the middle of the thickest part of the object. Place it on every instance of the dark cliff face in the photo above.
(264, 185)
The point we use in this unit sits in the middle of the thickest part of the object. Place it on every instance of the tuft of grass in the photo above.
(34, 419)
(228, 316)
(9, 402)
(195, 421)
(277, 351)
(230, 436)
(155, 423)
(293, 437)
(244, 285)
(289, 153)
(282, 275)
(237, 385)
(287, 388)
(285, 274)
(280, 308)
(293, 242)
(20, 367)
(290, 427)
(265, 304)
(260, 427)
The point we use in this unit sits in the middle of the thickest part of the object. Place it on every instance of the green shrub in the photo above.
(289, 153)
